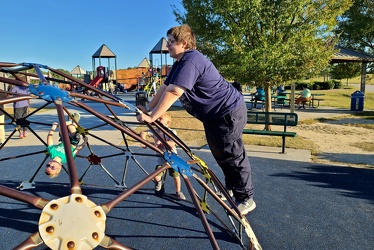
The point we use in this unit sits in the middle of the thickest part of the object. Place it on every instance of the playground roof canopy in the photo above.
(160, 47)
(104, 52)
(78, 71)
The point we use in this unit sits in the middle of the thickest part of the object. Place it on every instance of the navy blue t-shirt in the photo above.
(208, 95)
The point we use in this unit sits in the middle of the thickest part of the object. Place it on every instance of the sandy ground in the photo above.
(336, 141)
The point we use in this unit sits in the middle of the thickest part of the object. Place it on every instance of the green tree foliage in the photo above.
(263, 41)
(356, 26)
(345, 70)
(54, 75)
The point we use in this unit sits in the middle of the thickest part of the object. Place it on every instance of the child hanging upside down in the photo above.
(57, 152)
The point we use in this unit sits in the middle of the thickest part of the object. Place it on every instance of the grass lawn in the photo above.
(341, 98)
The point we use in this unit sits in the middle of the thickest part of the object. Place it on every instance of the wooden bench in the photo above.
(272, 118)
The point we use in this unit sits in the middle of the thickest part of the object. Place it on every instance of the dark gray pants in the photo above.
(224, 138)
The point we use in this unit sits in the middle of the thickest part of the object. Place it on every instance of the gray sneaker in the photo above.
(180, 195)
(222, 197)
(246, 206)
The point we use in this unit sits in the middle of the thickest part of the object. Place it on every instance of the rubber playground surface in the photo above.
(300, 204)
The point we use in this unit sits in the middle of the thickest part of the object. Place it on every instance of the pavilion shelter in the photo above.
(349, 55)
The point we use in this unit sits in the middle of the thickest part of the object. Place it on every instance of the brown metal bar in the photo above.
(174, 137)
(82, 84)
(31, 242)
(46, 77)
(119, 127)
(107, 142)
(19, 156)
(74, 183)
(218, 199)
(122, 196)
(8, 64)
(15, 99)
(17, 195)
(203, 219)
(14, 82)
(92, 98)
(110, 243)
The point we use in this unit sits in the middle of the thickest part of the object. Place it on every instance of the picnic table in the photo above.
(281, 100)
(278, 100)
(316, 98)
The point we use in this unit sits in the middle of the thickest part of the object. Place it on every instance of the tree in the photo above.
(356, 27)
(57, 76)
(264, 41)
(345, 70)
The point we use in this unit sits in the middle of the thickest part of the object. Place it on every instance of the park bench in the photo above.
(273, 119)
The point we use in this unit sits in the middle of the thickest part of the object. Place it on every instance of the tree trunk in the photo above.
(267, 101)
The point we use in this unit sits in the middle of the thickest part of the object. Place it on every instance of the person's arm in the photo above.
(79, 147)
(168, 97)
(50, 134)
(153, 103)
(154, 100)
(171, 143)
(143, 135)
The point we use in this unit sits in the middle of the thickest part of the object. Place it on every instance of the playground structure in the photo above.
(132, 78)
(101, 80)
(102, 53)
(147, 76)
(57, 214)
(149, 72)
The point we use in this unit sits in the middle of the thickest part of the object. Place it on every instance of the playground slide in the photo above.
(96, 81)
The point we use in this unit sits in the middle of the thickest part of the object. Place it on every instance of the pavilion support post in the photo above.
(363, 77)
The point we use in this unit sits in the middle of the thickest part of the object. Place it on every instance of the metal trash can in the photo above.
(357, 101)
(141, 98)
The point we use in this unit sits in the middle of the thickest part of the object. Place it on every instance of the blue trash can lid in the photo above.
(357, 93)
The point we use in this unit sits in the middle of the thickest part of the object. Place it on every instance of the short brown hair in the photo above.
(183, 33)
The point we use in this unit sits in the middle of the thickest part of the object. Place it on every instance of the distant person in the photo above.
(304, 97)
(119, 86)
(259, 95)
(280, 89)
(21, 108)
(237, 85)
(57, 152)
(165, 119)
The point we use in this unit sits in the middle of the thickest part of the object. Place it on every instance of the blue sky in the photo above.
(64, 34)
